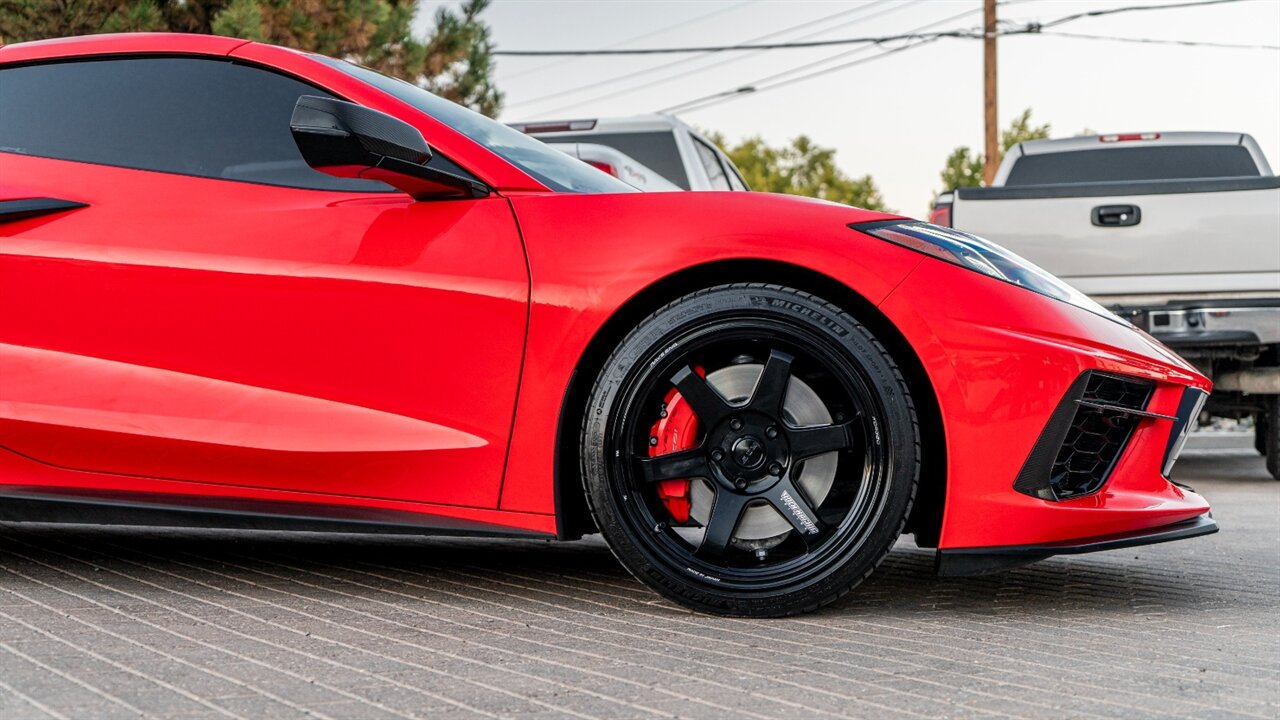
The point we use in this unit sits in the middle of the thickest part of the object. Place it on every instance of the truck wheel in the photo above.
(1268, 435)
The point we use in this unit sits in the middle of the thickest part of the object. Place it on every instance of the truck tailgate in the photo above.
(1191, 236)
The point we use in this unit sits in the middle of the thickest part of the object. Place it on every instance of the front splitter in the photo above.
(960, 562)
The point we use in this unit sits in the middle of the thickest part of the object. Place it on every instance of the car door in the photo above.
(188, 301)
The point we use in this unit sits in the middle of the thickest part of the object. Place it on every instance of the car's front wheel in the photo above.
(750, 450)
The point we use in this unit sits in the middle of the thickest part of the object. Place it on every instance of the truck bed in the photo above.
(1192, 237)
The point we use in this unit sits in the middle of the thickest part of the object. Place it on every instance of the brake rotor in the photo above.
(761, 525)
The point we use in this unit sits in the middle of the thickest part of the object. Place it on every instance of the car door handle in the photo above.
(1117, 215)
(11, 210)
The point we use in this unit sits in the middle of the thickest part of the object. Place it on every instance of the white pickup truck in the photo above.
(666, 153)
(1177, 232)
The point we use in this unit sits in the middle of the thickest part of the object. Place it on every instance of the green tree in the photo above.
(963, 167)
(799, 168)
(454, 61)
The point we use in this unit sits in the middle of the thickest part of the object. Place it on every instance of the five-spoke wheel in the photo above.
(750, 453)
(750, 450)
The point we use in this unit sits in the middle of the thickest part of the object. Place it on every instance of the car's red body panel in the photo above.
(126, 44)
(261, 336)
(997, 383)
(213, 338)
(589, 258)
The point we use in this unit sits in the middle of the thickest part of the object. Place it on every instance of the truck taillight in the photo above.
(605, 167)
(941, 216)
(1127, 137)
(556, 126)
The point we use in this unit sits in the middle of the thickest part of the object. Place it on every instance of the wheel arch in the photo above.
(573, 519)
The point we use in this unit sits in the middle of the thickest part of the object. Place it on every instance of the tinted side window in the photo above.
(656, 150)
(711, 163)
(209, 118)
(1167, 162)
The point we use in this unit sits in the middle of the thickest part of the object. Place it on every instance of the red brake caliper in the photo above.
(677, 430)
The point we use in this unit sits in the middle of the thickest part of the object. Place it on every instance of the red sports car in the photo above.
(244, 286)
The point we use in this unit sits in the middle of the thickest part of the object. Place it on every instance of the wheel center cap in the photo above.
(748, 452)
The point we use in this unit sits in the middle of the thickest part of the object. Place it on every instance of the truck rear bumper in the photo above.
(1209, 322)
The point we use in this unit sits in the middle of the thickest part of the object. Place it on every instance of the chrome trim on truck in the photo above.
(1185, 325)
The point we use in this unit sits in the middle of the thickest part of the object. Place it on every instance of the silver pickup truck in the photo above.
(1177, 232)
(672, 154)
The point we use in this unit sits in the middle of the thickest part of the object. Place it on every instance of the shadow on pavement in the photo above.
(905, 582)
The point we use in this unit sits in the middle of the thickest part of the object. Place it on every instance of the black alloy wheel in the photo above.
(802, 468)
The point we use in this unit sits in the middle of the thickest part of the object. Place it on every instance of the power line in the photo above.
(1030, 28)
(847, 53)
(924, 39)
(718, 98)
(706, 101)
(642, 36)
(746, 46)
(679, 61)
(673, 63)
(759, 84)
(1161, 41)
(684, 72)
(1132, 8)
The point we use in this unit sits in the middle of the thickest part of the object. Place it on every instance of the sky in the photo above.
(896, 117)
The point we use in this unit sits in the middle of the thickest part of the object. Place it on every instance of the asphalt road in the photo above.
(105, 623)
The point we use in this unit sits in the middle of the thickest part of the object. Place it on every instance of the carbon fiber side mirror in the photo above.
(348, 140)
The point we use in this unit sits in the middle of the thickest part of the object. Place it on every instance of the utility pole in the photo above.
(992, 156)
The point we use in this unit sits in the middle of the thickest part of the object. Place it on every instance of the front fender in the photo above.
(1001, 358)
(590, 254)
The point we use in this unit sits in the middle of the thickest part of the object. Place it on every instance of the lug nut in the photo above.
(775, 469)
(740, 483)
(736, 424)
(717, 455)
(772, 432)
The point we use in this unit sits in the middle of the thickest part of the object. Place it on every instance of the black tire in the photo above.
(1268, 435)
(873, 435)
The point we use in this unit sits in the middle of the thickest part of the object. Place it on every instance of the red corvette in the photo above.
(244, 286)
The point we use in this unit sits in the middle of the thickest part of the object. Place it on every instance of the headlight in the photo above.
(983, 256)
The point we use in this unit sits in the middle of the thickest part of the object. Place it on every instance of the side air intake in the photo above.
(1085, 436)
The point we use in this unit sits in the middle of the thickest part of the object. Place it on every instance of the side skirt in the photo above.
(37, 504)
(982, 561)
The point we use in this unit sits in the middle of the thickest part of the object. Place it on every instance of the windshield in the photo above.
(544, 164)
